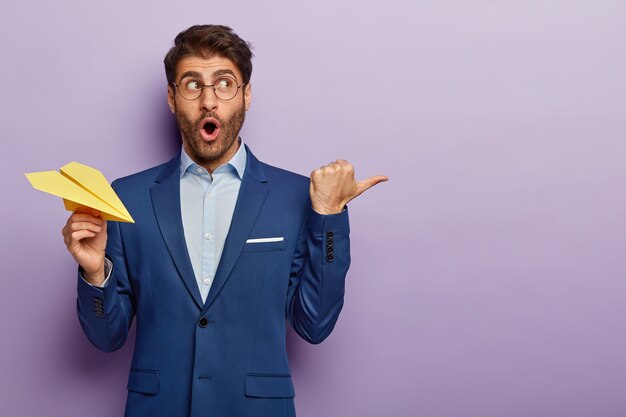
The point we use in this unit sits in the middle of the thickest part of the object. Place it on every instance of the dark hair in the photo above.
(207, 41)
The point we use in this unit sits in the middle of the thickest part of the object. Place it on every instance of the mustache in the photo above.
(208, 114)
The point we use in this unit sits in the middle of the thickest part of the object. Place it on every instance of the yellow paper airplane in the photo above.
(81, 185)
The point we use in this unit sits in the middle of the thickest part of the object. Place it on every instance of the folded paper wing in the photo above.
(81, 185)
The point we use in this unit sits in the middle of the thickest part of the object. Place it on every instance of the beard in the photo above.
(202, 152)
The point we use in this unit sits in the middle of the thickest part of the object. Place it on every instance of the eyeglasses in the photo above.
(225, 88)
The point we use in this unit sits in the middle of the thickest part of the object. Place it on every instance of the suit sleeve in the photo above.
(106, 313)
(318, 272)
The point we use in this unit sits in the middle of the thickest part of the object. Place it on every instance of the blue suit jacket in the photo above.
(225, 357)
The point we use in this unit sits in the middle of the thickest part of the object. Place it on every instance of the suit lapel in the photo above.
(166, 203)
(252, 194)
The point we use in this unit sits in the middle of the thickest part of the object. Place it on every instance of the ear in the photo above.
(247, 96)
(170, 99)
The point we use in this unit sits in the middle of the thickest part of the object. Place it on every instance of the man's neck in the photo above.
(213, 165)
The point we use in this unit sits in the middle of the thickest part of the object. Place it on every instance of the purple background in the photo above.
(488, 275)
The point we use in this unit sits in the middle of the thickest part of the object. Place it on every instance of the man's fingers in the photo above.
(368, 183)
(83, 221)
(76, 226)
(87, 210)
(76, 217)
(77, 236)
(73, 232)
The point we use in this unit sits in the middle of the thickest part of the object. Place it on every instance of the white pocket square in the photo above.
(265, 240)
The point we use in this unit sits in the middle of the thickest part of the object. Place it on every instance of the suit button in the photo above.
(329, 242)
(329, 234)
(329, 257)
(203, 322)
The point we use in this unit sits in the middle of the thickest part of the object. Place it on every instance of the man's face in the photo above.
(209, 126)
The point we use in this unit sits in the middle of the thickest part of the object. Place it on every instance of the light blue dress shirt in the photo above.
(207, 203)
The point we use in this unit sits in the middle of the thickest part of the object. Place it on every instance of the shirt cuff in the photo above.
(108, 267)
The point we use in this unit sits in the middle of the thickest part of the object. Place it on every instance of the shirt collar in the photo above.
(237, 162)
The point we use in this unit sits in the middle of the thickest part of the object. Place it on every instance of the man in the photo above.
(224, 250)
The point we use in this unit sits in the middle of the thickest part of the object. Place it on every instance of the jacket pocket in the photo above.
(264, 246)
(144, 381)
(269, 386)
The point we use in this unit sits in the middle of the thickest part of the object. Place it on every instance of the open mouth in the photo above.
(209, 129)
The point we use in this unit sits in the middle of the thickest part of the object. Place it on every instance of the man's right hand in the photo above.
(85, 236)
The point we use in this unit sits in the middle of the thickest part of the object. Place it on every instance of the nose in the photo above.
(208, 100)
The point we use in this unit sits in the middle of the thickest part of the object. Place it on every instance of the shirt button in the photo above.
(199, 170)
(208, 236)
(209, 195)
(207, 281)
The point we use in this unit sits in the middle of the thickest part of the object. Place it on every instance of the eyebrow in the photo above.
(223, 72)
(196, 74)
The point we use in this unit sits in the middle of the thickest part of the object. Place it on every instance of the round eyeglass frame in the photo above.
(203, 86)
